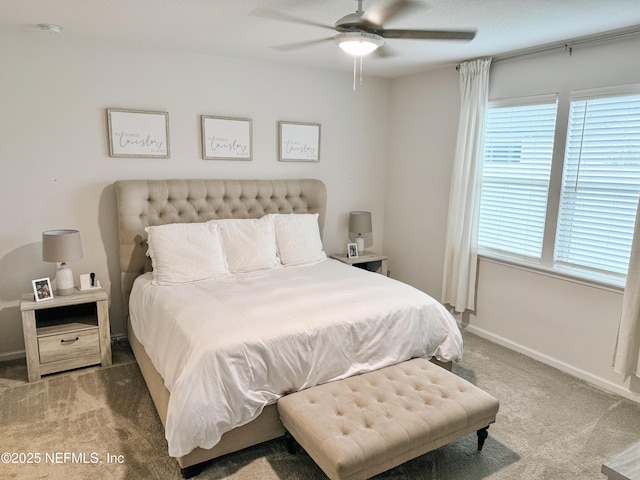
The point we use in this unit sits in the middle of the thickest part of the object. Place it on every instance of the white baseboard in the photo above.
(600, 382)
(5, 357)
(118, 337)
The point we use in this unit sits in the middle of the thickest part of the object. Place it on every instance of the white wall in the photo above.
(56, 172)
(566, 324)
(424, 112)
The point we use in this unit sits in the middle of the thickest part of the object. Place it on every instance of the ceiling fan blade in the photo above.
(295, 46)
(284, 17)
(385, 51)
(379, 15)
(428, 34)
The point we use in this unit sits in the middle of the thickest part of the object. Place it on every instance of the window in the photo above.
(589, 230)
(600, 184)
(515, 176)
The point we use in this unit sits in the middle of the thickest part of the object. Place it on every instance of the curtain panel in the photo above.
(461, 258)
(626, 359)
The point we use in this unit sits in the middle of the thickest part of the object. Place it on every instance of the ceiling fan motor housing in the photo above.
(354, 22)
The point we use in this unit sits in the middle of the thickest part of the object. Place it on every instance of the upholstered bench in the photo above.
(364, 425)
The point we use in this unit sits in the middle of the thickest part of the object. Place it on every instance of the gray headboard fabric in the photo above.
(143, 203)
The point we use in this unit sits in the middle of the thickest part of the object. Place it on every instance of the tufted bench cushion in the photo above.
(364, 425)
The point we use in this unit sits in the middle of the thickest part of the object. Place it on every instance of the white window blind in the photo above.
(515, 176)
(600, 185)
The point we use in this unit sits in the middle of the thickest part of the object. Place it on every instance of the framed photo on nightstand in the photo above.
(42, 289)
(352, 250)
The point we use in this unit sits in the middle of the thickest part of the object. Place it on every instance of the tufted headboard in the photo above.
(142, 203)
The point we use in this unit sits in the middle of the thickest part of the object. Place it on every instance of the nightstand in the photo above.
(66, 332)
(370, 261)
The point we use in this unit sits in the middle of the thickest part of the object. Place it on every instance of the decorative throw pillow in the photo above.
(185, 252)
(298, 238)
(249, 244)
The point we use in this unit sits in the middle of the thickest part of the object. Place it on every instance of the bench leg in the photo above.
(482, 436)
(292, 444)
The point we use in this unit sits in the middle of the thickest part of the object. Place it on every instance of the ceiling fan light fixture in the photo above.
(359, 44)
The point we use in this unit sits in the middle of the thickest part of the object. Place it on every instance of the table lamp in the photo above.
(62, 246)
(359, 224)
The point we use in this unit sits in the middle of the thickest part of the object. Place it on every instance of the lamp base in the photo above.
(64, 280)
(360, 245)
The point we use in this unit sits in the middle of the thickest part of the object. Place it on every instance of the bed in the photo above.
(244, 335)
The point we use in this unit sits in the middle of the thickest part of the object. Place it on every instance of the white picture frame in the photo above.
(298, 142)
(226, 138)
(42, 290)
(352, 250)
(138, 133)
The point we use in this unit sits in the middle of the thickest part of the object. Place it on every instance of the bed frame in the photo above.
(143, 203)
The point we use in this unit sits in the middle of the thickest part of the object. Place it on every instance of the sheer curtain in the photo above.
(626, 359)
(460, 263)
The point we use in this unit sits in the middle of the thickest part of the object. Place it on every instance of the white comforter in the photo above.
(226, 348)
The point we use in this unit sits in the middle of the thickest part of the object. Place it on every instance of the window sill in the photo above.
(603, 284)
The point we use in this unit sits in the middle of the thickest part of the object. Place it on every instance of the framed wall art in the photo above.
(138, 133)
(225, 138)
(299, 142)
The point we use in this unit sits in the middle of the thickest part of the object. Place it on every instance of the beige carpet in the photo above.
(99, 423)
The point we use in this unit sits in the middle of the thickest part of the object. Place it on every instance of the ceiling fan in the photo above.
(362, 33)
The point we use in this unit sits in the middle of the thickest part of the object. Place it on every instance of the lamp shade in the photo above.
(61, 245)
(360, 222)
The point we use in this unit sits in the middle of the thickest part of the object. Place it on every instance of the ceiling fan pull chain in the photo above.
(355, 59)
(355, 70)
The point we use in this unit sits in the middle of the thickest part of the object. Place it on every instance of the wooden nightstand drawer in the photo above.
(70, 344)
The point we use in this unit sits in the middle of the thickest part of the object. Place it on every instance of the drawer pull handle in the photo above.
(69, 342)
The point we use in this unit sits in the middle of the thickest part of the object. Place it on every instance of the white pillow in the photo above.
(185, 252)
(298, 239)
(249, 244)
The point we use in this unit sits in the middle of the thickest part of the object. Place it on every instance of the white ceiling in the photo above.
(233, 27)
